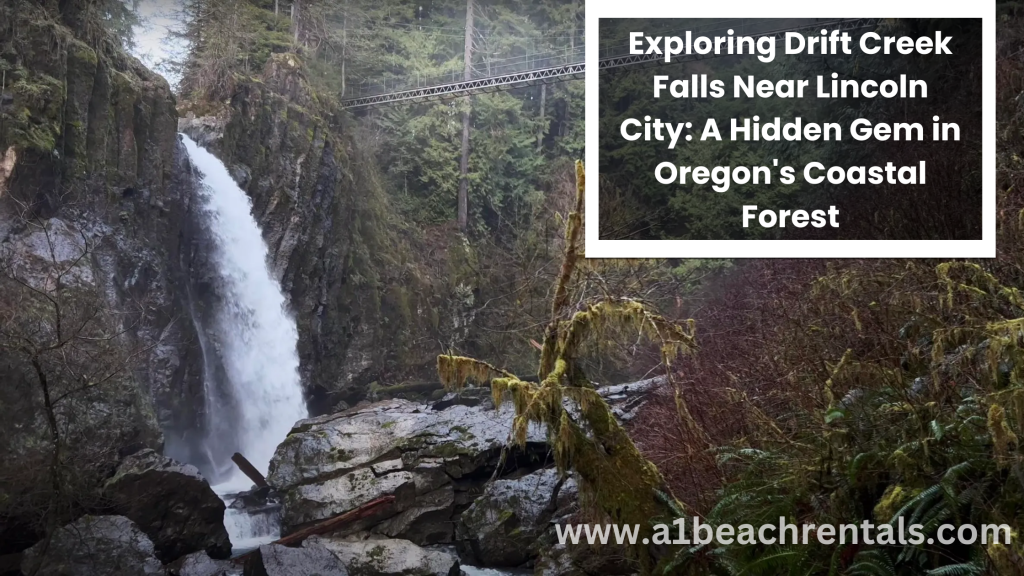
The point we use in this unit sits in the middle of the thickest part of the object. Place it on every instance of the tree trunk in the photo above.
(464, 164)
(344, 48)
(56, 485)
(327, 526)
(543, 126)
(249, 470)
(295, 20)
(276, 9)
(572, 34)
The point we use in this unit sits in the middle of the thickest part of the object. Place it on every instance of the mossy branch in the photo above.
(583, 432)
(573, 229)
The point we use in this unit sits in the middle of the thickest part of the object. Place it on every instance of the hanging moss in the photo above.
(586, 438)
(1004, 441)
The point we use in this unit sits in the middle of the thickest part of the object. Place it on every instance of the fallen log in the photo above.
(249, 470)
(327, 526)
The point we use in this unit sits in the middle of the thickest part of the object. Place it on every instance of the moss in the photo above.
(35, 123)
(449, 450)
(892, 500)
(1007, 559)
(82, 66)
(1004, 441)
(377, 553)
(340, 455)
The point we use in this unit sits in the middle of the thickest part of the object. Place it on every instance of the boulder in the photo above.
(502, 526)
(277, 560)
(437, 461)
(627, 399)
(200, 564)
(387, 557)
(171, 503)
(332, 464)
(95, 546)
(582, 559)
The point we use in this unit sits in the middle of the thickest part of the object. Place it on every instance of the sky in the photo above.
(153, 42)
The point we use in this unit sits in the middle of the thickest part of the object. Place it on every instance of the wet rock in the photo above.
(502, 527)
(255, 499)
(207, 131)
(200, 564)
(468, 397)
(95, 546)
(627, 399)
(277, 560)
(387, 557)
(556, 561)
(579, 560)
(172, 504)
(332, 464)
(427, 522)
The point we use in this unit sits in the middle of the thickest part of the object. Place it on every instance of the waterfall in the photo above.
(253, 404)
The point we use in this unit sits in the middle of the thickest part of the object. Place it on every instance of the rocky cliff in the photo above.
(103, 259)
(95, 254)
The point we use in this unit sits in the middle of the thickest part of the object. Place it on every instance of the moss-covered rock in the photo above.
(75, 106)
(394, 447)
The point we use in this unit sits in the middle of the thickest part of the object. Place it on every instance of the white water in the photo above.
(249, 531)
(474, 571)
(256, 335)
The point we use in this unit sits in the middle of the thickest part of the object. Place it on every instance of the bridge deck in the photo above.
(567, 71)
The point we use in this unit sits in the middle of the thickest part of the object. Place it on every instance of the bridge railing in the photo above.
(550, 65)
(481, 70)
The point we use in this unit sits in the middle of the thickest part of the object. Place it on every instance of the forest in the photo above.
(468, 379)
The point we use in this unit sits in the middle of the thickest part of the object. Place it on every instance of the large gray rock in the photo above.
(502, 526)
(277, 560)
(335, 463)
(172, 504)
(200, 564)
(387, 557)
(95, 546)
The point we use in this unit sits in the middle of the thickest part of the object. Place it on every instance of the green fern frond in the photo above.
(964, 569)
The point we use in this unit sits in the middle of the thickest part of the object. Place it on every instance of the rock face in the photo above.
(503, 525)
(277, 560)
(428, 459)
(89, 163)
(363, 302)
(172, 504)
(387, 557)
(95, 546)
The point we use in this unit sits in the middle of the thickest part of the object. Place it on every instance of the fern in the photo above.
(965, 569)
(872, 563)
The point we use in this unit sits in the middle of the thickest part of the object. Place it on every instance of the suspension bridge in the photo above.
(556, 66)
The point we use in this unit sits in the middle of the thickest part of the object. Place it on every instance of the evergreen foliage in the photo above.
(357, 45)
